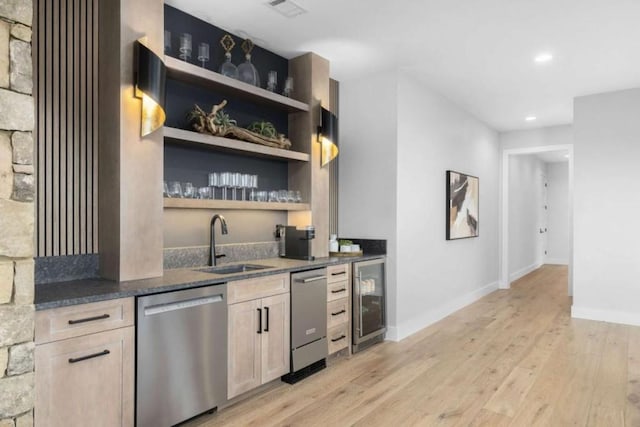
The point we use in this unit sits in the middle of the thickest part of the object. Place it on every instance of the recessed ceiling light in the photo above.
(543, 57)
(530, 118)
(566, 156)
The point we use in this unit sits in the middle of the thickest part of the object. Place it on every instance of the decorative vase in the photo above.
(227, 68)
(246, 71)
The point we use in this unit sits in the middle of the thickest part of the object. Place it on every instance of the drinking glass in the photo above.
(262, 196)
(272, 81)
(246, 184)
(254, 186)
(203, 53)
(204, 192)
(185, 46)
(188, 191)
(225, 182)
(291, 196)
(165, 191)
(236, 183)
(214, 181)
(283, 195)
(273, 196)
(167, 42)
(298, 197)
(288, 87)
(175, 189)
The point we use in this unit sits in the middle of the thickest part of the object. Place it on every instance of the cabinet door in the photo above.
(86, 381)
(276, 343)
(244, 351)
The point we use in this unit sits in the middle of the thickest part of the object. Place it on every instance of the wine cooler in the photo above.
(369, 311)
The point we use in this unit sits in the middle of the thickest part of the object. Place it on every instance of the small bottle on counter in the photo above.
(333, 243)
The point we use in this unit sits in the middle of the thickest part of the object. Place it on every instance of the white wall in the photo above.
(540, 137)
(397, 139)
(368, 167)
(607, 207)
(436, 276)
(525, 214)
(558, 213)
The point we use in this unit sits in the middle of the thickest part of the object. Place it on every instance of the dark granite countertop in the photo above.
(52, 295)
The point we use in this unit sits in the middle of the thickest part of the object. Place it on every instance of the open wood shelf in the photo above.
(233, 204)
(183, 71)
(232, 145)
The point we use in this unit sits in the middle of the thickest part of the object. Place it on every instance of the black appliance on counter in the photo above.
(295, 243)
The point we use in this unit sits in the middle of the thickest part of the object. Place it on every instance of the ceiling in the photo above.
(478, 53)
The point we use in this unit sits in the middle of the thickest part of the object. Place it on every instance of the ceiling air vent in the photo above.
(286, 8)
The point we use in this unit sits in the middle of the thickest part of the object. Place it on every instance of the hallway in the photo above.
(513, 358)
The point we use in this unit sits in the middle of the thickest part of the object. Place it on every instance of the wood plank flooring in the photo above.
(513, 358)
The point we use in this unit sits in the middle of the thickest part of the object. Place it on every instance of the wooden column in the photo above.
(131, 167)
(311, 85)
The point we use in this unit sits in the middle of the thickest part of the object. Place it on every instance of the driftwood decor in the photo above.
(218, 123)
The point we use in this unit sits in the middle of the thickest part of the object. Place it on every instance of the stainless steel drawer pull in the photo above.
(312, 279)
(338, 291)
(90, 356)
(339, 273)
(89, 319)
(339, 338)
(338, 312)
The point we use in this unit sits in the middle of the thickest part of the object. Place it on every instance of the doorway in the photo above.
(506, 275)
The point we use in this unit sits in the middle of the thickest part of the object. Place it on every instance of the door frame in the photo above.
(504, 282)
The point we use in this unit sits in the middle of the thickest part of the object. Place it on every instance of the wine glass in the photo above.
(185, 46)
(167, 42)
(225, 182)
(203, 53)
(254, 186)
(272, 81)
(236, 183)
(288, 87)
(214, 181)
(246, 184)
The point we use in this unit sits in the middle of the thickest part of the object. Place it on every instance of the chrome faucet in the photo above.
(223, 227)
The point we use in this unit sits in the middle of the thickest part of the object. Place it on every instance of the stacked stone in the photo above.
(16, 215)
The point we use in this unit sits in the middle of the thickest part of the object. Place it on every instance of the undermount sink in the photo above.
(231, 269)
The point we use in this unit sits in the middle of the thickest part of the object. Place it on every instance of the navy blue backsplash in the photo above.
(181, 96)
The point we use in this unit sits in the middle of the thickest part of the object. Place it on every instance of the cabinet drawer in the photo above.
(338, 337)
(338, 273)
(337, 312)
(337, 290)
(260, 287)
(73, 321)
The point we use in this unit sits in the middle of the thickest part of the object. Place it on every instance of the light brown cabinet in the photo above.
(338, 307)
(86, 378)
(258, 332)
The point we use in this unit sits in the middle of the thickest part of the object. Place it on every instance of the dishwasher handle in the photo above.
(181, 305)
(311, 279)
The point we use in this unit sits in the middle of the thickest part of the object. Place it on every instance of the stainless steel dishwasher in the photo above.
(181, 355)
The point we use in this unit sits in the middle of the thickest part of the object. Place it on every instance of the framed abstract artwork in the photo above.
(463, 205)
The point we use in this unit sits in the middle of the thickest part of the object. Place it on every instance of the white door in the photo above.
(544, 212)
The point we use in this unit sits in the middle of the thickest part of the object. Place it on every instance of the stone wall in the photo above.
(16, 214)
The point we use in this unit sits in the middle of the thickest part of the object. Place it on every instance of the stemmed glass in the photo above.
(203, 53)
(225, 182)
(254, 186)
(272, 81)
(185, 46)
(214, 181)
(167, 42)
(288, 87)
(236, 183)
(246, 184)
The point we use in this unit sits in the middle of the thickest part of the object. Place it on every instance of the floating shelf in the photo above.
(232, 145)
(183, 71)
(234, 204)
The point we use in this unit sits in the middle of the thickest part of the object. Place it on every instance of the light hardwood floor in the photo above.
(513, 358)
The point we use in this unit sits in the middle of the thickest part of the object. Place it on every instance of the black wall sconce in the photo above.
(149, 80)
(328, 136)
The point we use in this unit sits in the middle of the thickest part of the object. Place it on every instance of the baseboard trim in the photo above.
(524, 271)
(622, 317)
(411, 326)
(556, 261)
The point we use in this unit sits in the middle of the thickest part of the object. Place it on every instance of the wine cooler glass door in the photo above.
(369, 301)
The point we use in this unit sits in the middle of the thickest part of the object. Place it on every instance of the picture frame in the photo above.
(463, 206)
